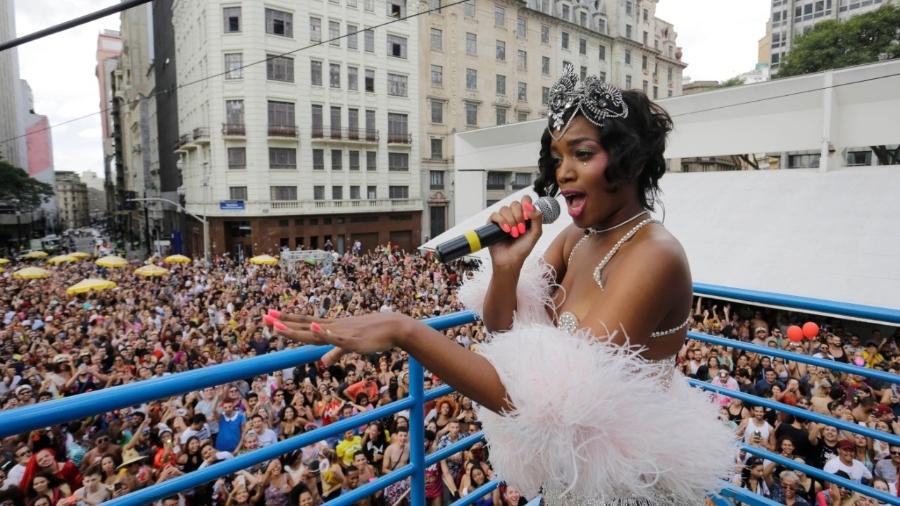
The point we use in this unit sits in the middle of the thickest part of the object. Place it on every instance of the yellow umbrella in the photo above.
(264, 260)
(2, 270)
(61, 259)
(151, 271)
(177, 259)
(33, 255)
(91, 284)
(79, 255)
(111, 261)
(31, 273)
(4, 261)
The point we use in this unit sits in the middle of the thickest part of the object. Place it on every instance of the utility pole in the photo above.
(178, 206)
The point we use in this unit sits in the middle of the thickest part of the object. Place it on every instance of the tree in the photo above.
(831, 44)
(734, 81)
(16, 184)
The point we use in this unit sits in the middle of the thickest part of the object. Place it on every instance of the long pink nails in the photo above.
(279, 326)
(274, 313)
(315, 327)
(522, 228)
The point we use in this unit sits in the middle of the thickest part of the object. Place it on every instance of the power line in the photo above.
(220, 74)
(87, 18)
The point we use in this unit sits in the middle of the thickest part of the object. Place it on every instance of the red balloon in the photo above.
(795, 334)
(810, 330)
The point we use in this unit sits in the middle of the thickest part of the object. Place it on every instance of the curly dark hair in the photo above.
(635, 145)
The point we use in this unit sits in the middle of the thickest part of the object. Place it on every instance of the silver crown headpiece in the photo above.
(596, 100)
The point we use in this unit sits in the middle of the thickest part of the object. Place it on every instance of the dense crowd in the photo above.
(55, 345)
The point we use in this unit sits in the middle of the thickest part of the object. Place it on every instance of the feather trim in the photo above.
(598, 421)
(533, 292)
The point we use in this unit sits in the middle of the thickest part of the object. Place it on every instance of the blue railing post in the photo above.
(417, 432)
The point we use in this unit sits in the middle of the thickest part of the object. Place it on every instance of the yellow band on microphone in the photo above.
(474, 241)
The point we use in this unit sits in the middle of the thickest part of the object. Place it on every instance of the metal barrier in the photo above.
(27, 418)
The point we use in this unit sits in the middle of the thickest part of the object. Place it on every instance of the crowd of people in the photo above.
(53, 345)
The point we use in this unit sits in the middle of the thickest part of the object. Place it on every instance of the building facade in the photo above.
(291, 149)
(39, 155)
(792, 18)
(109, 47)
(72, 196)
(487, 63)
(12, 124)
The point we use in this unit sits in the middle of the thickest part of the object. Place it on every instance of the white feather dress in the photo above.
(594, 423)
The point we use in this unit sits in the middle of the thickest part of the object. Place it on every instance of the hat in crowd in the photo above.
(163, 428)
(846, 444)
(62, 358)
(130, 456)
(760, 329)
(22, 388)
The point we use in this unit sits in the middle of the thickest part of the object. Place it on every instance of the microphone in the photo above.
(487, 235)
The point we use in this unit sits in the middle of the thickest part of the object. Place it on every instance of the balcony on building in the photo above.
(313, 206)
(201, 135)
(346, 135)
(399, 138)
(283, 131)
(234, 130)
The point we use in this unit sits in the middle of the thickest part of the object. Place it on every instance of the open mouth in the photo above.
(575, 201)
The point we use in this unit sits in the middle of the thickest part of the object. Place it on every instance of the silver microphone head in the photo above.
(549, 208)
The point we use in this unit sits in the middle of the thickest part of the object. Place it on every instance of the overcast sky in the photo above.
(719, 38)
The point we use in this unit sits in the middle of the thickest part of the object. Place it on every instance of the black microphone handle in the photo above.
(487, 235)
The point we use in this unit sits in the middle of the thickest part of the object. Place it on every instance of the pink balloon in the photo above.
(810, 330)
(795, 334)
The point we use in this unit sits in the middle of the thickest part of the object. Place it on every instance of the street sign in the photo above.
(231, 205)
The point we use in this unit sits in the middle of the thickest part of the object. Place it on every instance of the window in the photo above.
(602, 77)
(499, 16)
(352, 36)
(627, 82)
(522, 59)
(283, 192)
(370, 5)
(237, 158)
(469, 8)
(501, 84)
(501, 51)
(396, 46)
(627, 31)
(583, 18)
(669, 73)
(437, 111)
(496, 181)
(809, 161)
(354, 160)
(371, 192)
(397, 85)
(337, 193)
(318, 192)
(545, 95)
(437, 179)
(354, 192)
(627, 57)
(521, 28)
(522, 116)
(352, 78)
(370, 125)
(315, 29)
(370, 80)
(471, 114)
(317, 120)
(232, 18)
(437, 149)
(234, 112)
(629, 8)
(521, 180)
(318, 159)
(437, 39)
(371, 160)
(279, 68)
(237, 192)
(353, 121)
(471, 79)
(398, 126)
(522, 92)
(501, 115)
(645, 86)
(471, 44)
(646, 15)
(334, 75)
(565, 40)
(545, 65)
(857, 158)
(369, 40)
(335, 122)
(601, 25)
(279, 23)
(315, 73)
(398, 192)
(437, 76)
(282, 158)
(337, 159)
(602, 53)
(566, 12)
(545, 34)
(655, 92)
(234, 63)
(398, 161)
(582, 46)
(645, 37)
(396, 8)
(334, 33)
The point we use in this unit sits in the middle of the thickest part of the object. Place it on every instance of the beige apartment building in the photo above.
(72, 197)
(491, 62)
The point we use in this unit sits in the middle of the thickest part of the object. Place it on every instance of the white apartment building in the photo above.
(793, 18)
(296, 141)
(488, 63)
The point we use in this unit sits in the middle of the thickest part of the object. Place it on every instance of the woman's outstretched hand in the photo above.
(364, 334)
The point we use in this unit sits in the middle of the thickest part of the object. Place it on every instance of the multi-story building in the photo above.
(487, 63)
(12, 123)
(96, 195)
(109, 47)
(290, 148)
(39, 155)
(792, 18)
(135, 107)
(72, 196)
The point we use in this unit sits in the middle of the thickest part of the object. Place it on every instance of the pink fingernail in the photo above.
(505, 228)
(274, 313)
(515, 233)
(269, 320)
(521, 228)
(315, 327)
(279, 326)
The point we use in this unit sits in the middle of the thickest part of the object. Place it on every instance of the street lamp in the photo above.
(178, 206)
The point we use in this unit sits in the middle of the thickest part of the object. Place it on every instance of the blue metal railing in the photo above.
(27, 418)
